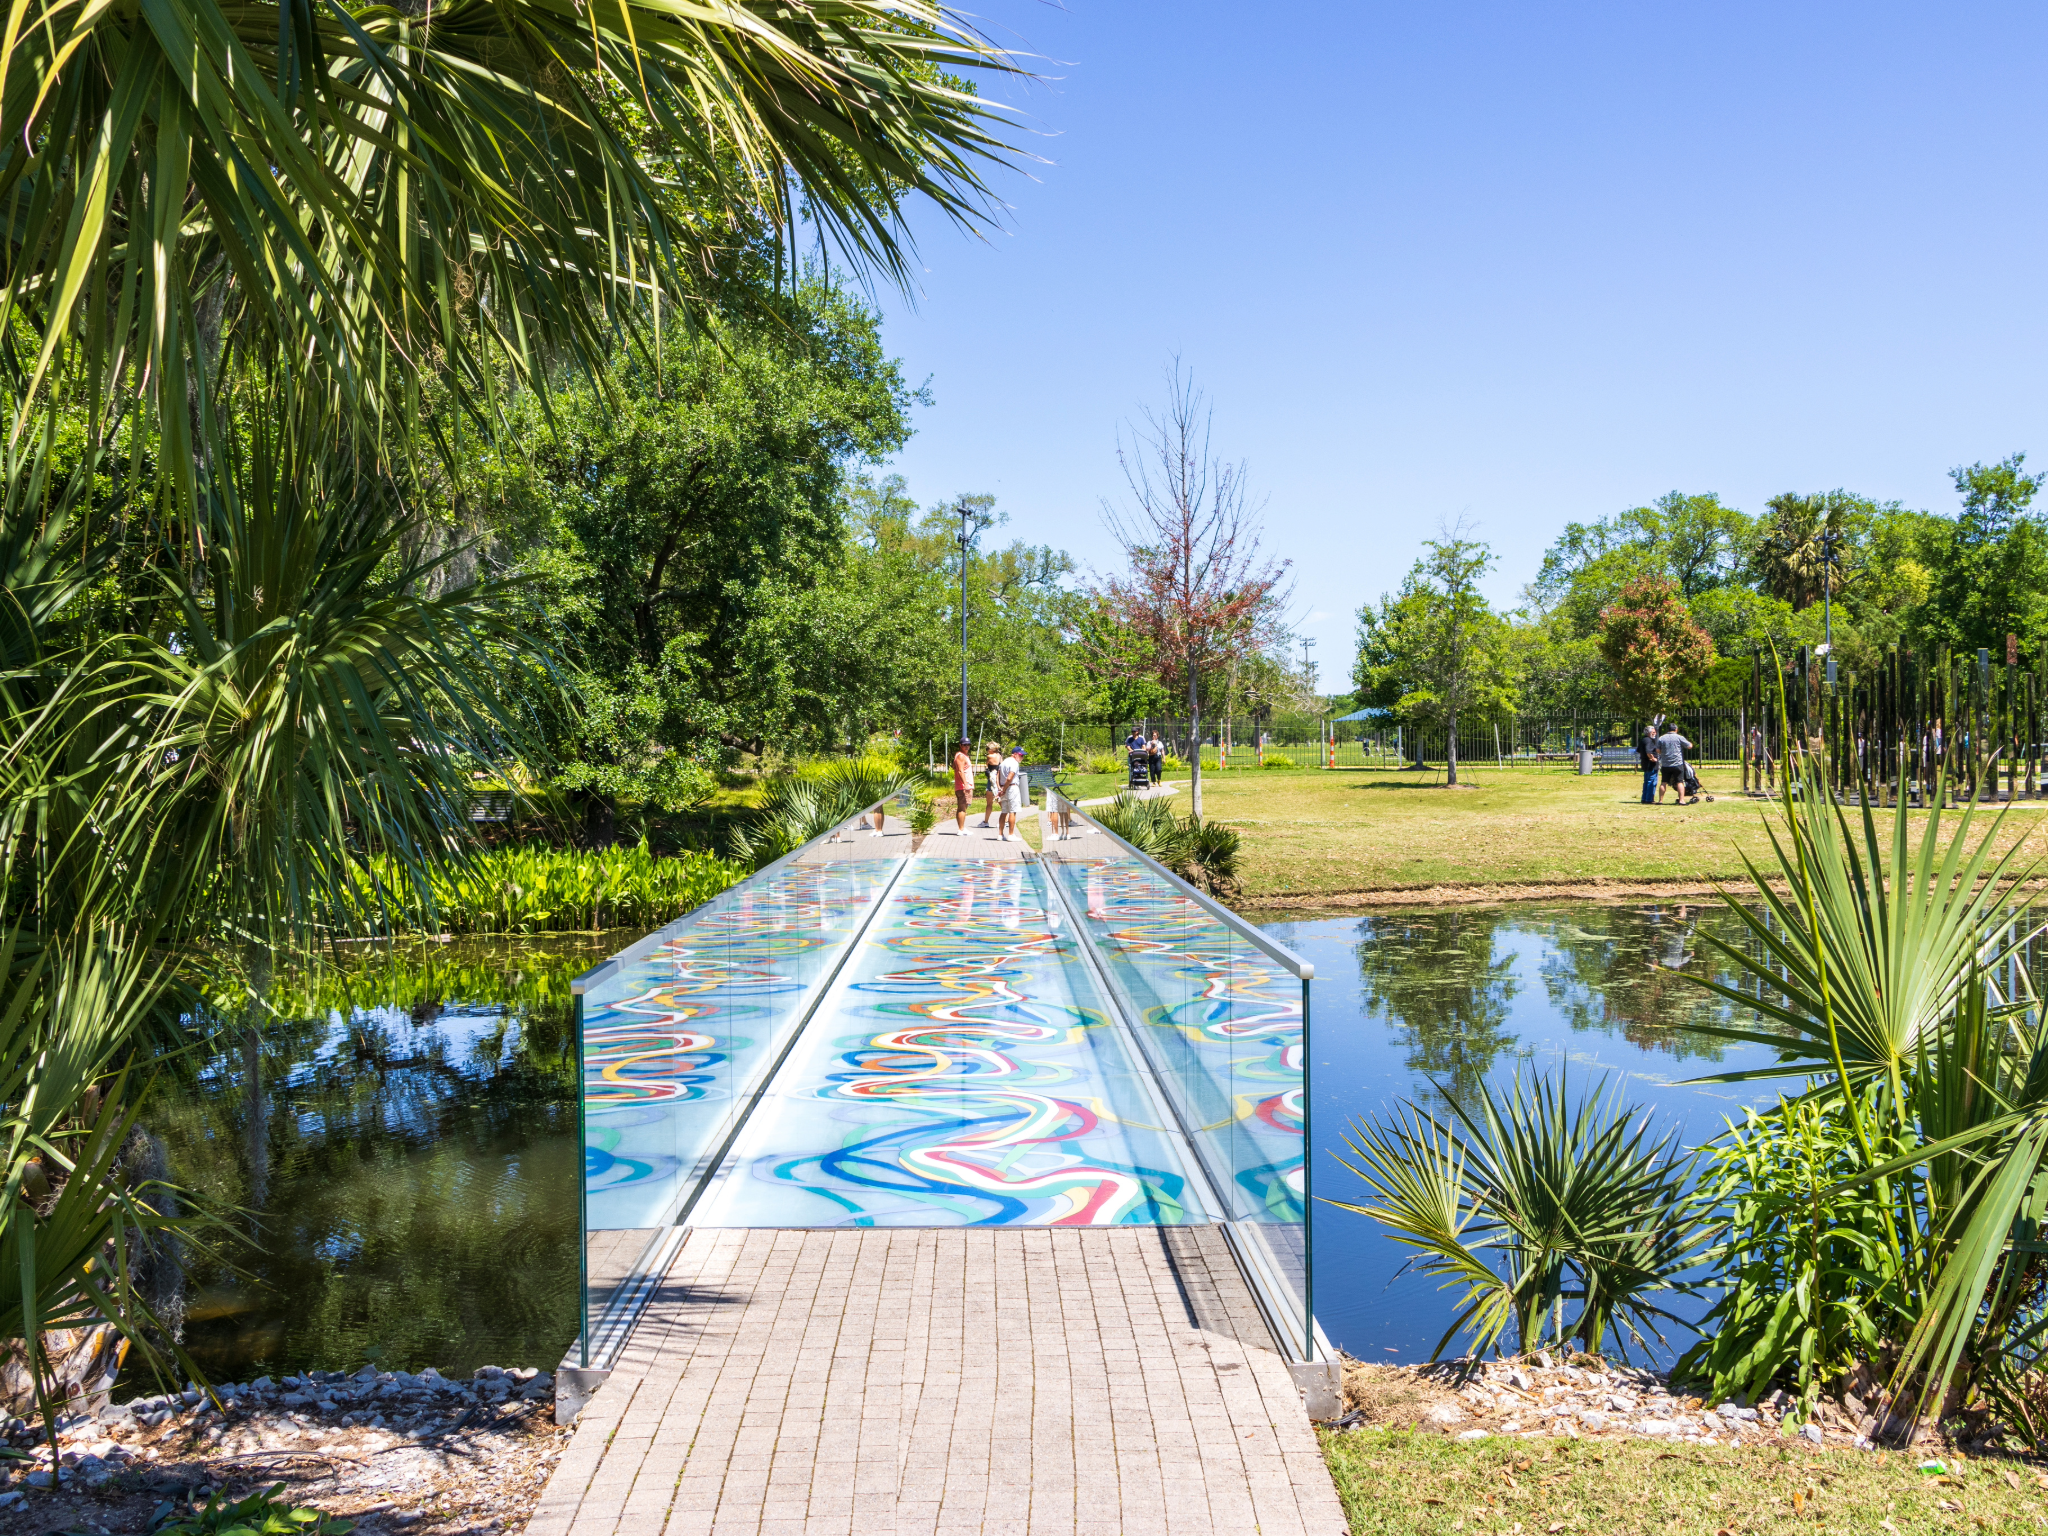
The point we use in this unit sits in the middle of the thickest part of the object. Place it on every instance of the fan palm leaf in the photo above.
(1859, 956)
(383, 194)
(1533, 1202)
(321, 701)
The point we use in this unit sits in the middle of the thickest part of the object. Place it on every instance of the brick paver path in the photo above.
(885, 1382)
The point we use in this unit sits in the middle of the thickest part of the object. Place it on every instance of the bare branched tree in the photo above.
(1197, 592)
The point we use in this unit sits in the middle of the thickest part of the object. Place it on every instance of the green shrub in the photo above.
(1171, 764)
(1279, 760)
(924, 815)
(1202, 853)
(1105, 762)
(1526, 1201)
(813, 800)
(1212, 849)
(1802, 1262)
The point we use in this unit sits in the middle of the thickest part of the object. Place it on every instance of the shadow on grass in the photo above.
(1437, 784)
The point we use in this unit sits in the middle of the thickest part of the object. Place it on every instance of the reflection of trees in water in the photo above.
(1435, 977)
(1626, 970)
(1444, 981)
(420, 1205)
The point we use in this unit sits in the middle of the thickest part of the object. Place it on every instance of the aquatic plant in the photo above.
(540, 890)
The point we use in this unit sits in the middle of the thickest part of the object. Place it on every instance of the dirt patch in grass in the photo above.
(1399, 1396)
(1483, 894)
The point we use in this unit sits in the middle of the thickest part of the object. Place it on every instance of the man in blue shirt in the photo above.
(1646, 759)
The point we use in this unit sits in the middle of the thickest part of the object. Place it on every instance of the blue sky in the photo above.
(1520, 264)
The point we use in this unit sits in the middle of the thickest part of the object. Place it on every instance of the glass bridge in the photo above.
(960, 1034)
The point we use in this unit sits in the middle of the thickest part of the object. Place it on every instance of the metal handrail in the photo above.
(1304, 969)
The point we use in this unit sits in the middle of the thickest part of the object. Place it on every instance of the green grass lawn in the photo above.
(1423, 1484)
(1312, 833)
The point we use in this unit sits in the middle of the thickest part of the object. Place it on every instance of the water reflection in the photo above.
(1444, 986)
(1410, 1003)
(406, 1174)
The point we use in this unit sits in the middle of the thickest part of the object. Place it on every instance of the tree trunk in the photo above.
(1451, 745)
(1194, 746)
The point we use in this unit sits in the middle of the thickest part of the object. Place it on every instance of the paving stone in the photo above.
(1029, 1381)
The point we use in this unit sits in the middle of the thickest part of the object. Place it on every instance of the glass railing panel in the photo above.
(680, 1031)
(1222, 1019)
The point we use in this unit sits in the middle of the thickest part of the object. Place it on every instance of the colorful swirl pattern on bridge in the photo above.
(672, 1039)
(1223, 1019)
(964, 1071)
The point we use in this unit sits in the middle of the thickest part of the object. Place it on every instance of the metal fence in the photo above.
(1316, 741)
(1529, 740)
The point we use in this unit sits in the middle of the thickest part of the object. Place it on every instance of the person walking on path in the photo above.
(1646, 759)
(1016, 788)
(988, 788)
(1671, 761)
(1155, 757)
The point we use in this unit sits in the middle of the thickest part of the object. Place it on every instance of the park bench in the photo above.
(1616, 757)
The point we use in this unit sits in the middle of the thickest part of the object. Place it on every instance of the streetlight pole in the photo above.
(1828, 540)
(1308, 666)
(972, 520)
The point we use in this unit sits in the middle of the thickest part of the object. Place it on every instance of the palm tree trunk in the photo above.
(1451, 746)
(1195, 747)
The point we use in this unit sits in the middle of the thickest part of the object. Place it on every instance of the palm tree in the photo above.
(243, 247)
(1798, 543)
(471, 190)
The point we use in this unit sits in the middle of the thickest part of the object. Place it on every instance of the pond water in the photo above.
(416, 1134)
(1413, 1005)
(417, 1129)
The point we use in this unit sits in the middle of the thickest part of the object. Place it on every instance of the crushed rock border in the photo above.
(1585, 1397)
(393, 1451)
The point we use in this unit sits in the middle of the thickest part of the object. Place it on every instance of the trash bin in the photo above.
(1585, 760)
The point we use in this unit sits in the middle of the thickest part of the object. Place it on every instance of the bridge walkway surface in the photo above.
(946, 1237)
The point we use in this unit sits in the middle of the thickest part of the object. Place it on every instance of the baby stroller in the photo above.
(1693, 790)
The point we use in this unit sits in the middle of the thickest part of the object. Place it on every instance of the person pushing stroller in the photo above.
(1671, 750)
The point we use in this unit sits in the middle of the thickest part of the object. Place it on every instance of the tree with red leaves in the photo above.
(1658, 654)
(1197, 593)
